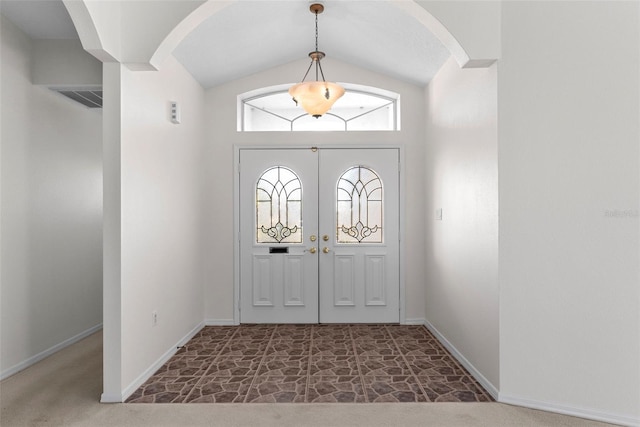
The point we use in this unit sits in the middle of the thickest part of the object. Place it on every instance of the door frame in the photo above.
(236, 211)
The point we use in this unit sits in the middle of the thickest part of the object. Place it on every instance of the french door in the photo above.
(319, 236)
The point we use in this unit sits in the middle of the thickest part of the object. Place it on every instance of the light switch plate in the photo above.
(175, 112)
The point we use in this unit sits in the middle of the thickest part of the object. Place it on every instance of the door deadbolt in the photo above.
(313, 238)
(325, 237)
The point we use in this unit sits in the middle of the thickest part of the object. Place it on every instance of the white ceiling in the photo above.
(249, 36)
(39, 19)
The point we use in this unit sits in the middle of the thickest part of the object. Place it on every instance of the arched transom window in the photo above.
(361, 108)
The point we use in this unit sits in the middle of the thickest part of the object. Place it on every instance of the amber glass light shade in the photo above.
(312, 96)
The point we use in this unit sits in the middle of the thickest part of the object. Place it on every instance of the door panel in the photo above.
(343, 279)
(278, 275)
(375, 289)
(359, 212)
(294, 281)
(350, 198)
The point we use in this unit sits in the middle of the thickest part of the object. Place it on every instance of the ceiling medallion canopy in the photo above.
(316, 97)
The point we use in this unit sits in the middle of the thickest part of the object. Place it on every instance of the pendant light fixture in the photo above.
(316, 97)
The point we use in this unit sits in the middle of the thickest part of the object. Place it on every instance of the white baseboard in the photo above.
(220, 322)
(48, 352)
(572, 411)
(111, 398)
(416, 321)
(528, 403)
(135, 384)
(493, 391)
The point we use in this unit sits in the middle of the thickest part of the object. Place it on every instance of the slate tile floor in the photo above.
(311, 363)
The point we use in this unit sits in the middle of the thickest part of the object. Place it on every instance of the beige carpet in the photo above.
(64, 390)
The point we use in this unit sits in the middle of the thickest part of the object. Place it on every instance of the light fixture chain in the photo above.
(313, 101)
(316, 13)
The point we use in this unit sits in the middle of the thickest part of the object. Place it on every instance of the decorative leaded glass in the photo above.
(279, 206)
(361, 108)
(359, 206)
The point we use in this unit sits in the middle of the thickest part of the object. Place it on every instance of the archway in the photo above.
(102, 35)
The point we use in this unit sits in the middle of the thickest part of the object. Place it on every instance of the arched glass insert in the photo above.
(359, 206)
(279, 206)
(361, 108)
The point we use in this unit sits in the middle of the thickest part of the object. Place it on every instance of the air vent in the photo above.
(89, 97)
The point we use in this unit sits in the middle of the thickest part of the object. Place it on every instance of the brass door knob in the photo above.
(325, 250)
(325, 237)
(313, 250)
(313, 238)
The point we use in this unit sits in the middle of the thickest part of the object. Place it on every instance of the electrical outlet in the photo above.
(154, 318)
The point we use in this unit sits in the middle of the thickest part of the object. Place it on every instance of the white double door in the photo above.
(319, 236)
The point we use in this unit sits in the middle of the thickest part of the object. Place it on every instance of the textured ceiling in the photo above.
(249, 36)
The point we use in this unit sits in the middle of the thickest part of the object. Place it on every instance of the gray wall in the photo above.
(461, 163)
(51, 213)
(155, 185)
(569, 159)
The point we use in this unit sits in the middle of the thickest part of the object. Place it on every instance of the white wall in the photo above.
(461, 166)
(112, 233)
(141, 34)
(51, 212)
(470, 25)
(569, 136)
(64, 63)
(221, 110)
(162, 216)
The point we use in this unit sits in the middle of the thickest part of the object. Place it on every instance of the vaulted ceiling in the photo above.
(249, 36)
